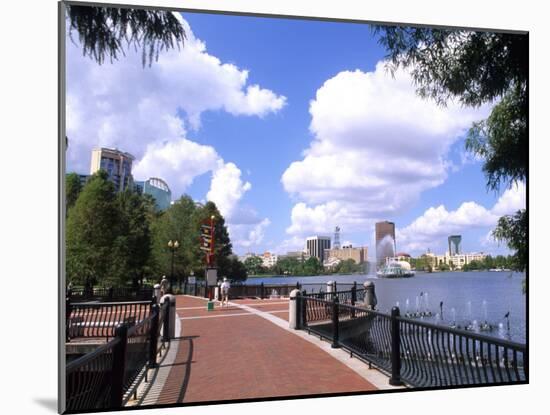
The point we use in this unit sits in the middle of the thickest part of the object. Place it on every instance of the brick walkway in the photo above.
(230, 353)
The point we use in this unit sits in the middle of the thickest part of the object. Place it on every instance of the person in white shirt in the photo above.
(225, 291)
(163, 286)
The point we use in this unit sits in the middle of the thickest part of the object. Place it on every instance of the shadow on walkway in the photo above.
(180, 369)
(178, 362)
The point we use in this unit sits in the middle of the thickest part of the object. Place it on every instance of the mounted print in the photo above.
(260, 207)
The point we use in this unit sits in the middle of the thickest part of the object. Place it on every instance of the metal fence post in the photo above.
(303, 311)
(119, 366)
(110, 293)
(195, 294)
(153, 338)
(353, 298)
(395, 379)
(166, 322)
(262, 296)
(67, 316)
(298, 310)
(335, 334)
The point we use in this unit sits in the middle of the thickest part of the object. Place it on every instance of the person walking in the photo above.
(225, 291)
(163, 286)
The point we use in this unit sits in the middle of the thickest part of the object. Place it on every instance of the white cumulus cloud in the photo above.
(147, 111)
(436, 223)
(247, 236)
(125, 105)
(227, 188)
(377, 146)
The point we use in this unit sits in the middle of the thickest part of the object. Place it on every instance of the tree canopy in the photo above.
(92, 228)
(117, 239)
(73, 188)
(104, 32)
(474, 68)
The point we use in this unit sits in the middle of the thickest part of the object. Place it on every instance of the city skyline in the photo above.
(380, 162)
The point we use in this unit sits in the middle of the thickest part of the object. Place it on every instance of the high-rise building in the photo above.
(454, 244)
(316, 245)
(336, 238)
(385, 241)
(158, 189)
(116, 163)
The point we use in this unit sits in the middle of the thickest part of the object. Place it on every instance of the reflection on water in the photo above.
(450, 297)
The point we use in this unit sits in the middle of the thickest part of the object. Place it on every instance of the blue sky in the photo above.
(292, 127)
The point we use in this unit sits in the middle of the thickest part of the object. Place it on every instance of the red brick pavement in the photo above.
(240, 357)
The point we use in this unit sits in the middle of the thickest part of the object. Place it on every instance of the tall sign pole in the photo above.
(212, 228)
(207, 245)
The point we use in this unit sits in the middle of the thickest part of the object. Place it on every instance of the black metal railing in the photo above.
(86, 320)
(109, 294)
(433, 355)
(110, 375)
(417, 353)
(197, 288)
(88, 379)
(346, 294)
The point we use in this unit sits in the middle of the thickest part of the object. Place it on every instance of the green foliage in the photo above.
(347, 266)
(175, 224)
(104, 31)
(423, 263)
(236, 270)
(72, 190)
(472, 67)
(312, 266)
(222, 244)
(476, 68)
(253, 265)
(501, 140)
(513, 230)
(114, 239)
(92, 228)
(181, 222)
(288, 266)
(132, 246)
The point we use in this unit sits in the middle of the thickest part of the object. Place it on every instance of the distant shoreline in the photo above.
(359, 273)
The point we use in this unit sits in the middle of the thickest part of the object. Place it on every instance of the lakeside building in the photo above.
(385, 241)
(454, 244)
(359, 255)
(431, 259)
(400, 257)
(116, 163)
(459, 260)
(316, 246)
(158, 189)
(456, 261)
(331, 262)
(299, 255)
(269, 259)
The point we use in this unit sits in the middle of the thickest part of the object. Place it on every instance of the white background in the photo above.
(28, 208)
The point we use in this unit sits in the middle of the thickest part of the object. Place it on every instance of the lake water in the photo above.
(481, 296)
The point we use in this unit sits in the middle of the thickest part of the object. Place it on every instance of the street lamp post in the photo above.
(173, 246)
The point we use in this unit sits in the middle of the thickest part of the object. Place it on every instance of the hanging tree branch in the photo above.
(105, 31)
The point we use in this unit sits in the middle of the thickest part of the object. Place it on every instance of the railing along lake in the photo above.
(418, 353)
